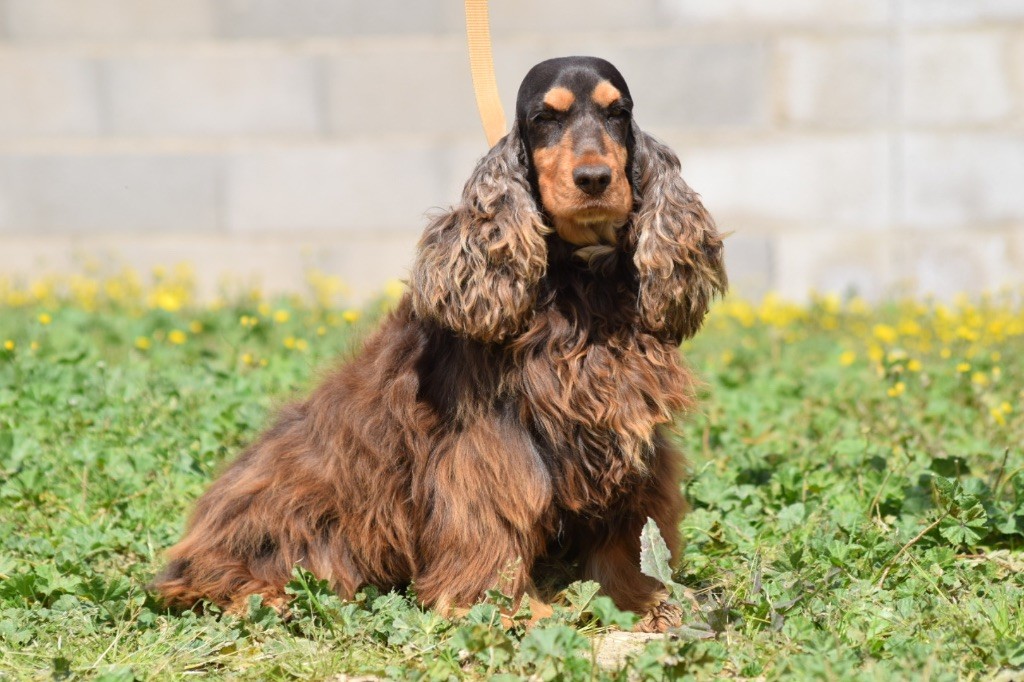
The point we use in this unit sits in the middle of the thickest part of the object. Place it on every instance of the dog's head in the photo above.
(574, 116)
(574, 164)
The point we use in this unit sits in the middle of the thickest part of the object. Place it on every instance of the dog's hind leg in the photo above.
(225, 561)
(270, 511)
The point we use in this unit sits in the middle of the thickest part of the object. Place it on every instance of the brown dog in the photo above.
(511, 410)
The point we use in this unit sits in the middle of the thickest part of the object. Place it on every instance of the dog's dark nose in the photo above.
(592, 179)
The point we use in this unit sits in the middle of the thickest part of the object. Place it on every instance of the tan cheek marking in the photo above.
(554, 175)
(621, 182)
(617, 153)
(559, 98)
(605, 94)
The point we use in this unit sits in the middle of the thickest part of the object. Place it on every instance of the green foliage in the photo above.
(655, 557)
(857, 503)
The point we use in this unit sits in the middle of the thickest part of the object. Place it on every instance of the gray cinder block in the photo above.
(220, 92)
(334, 18)
(834, 12)
(109, 20)
(956, 78)
(341, 187)
(420, 87)
(47, 93)
(832, 262)
(953, 12)
(834, 182)
(963, 179)
(750, 262)
(715, 84)
(835, 82)
(948, 262)
(85, 193)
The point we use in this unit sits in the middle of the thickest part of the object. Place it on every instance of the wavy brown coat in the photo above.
(509, 414)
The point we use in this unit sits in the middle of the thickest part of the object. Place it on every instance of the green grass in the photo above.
(857, 492)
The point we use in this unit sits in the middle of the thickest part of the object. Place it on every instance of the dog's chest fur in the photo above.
(584, 382)
(592, 389)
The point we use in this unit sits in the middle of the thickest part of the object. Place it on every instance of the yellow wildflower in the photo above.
(998, 416)
(142, 343)
(847, 358)
(45, 319)
(8, 345)
(979, 378)
(909, 328)
(325, 287)
(34, 346)
(945, 353)
(177, 337)
(195, 326)
(281, 316)
(248, 359)
(885, 333)
(914, 365)
(966, 333)
(858, 306)
(963, 367)
(289, 342)
(394, 289)
(321, 330)
(166, 299)
(897, 389)
(41, 290)
(301, 344)
(350, 315)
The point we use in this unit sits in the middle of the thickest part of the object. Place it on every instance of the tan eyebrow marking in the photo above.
(605, 94)
(559, 98)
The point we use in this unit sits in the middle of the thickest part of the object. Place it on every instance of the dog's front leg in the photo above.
(614, 562)
(613, 559)
(486, 500)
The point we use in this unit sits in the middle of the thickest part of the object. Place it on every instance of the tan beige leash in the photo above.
(481, 64)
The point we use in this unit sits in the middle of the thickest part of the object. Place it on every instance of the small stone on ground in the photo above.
(612, 648)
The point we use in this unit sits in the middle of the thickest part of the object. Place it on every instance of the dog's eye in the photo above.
(546, 117)
(618, 112)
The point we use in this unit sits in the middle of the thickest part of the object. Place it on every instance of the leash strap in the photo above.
(481, 64)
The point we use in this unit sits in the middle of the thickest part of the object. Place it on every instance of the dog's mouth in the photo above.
(590, 226)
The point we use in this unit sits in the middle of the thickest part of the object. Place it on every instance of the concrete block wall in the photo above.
(874, 146)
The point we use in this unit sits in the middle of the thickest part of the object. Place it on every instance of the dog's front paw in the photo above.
(660, 618)
(281, 604)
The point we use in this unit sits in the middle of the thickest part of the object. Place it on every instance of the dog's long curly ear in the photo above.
(678, 252)
(478, 265)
